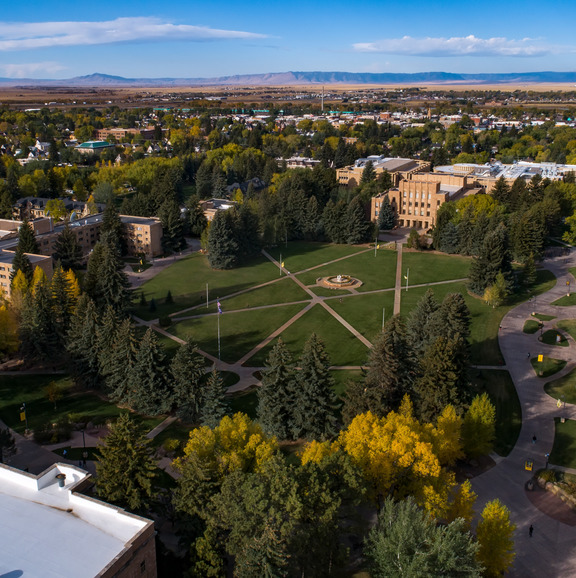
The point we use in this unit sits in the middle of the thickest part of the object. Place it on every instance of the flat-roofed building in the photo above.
(121, 133)
(93, 146)
(6, 260)
(51, 529)
(397, 167)
(416, 203)
(211, 207)
(143, 235)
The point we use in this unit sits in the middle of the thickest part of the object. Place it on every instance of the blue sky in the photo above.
(189, 39)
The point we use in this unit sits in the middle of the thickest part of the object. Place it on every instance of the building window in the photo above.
(142, 566)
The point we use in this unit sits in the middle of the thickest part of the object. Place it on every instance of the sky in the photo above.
(189, 39)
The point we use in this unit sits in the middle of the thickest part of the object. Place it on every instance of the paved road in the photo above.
(552, 549)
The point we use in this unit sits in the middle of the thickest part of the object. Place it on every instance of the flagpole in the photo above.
(375, 245)
(219, 336)
(280, 266)
(206, 295)
(407, 275)
(383, 316)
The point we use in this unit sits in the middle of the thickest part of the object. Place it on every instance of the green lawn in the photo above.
(542, 317)
(548, 366)
(499, 386)
(343, 376)
(431, 267)
(531, 326)
(375, 272)
(239, 332)
(563, 388)
(300, 255)
(564, 449)
(568, 325)
(552, 337)
(14, 390)
(364, 312)
(566, 301)
(284, 291)
(325, 292)
(343, 348)
(245, 402)
(187, 279)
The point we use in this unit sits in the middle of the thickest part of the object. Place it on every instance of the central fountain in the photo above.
(339, 282)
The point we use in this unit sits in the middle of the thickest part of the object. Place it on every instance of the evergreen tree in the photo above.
(312, 227)
(126, 469)
(314, 397)
(6, 203)
(37, 329)
(120, 362)
(62, 304)
(443, 378)
(112, 227)
(82, 345)
(359, 229)
(386, 215)
(105, 336)
(172, 226)
(452, 318)
(148, 391)
(223, 249)
(493, 259)
(333, 221)
(418, 330)
(368, 174)
(196, 218)
(215, 405)
(112, 283)
(450, 240)
(275, 395)
(27, 239)
(92, 276)
(20, 262)
(67, 250)
(187, 370)
(528, 276)
(388, 377)
(407, 542)
(501, 192)
(247, 230)
(481, 228)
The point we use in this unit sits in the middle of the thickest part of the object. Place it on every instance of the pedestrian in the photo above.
(530, 530)
(528, 355)
(534, 439)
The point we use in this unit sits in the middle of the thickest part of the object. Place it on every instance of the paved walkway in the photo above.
(552, 549)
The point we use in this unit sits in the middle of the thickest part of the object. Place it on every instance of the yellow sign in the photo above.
(282, 264)
(540, 358)
(559, 403)
(22, 416)
(528, 465)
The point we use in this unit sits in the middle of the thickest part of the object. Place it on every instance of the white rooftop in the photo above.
(52, 531)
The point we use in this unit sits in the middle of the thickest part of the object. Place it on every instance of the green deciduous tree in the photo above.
(126, 469)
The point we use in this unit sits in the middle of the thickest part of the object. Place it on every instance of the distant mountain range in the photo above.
(302, 78)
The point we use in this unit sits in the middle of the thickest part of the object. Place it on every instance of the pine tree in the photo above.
(215, 405)
(528, 277)
(37, 329)
(388, 378)
(67, 250)
(105, 336)
(112, 227)
(501, 192)
(386, 215)
(196, 217)
(126, 469)
(312, 226)
(368, 174)
(27, 239)
(247, 230)
(418, 331)
(358, 228)
(20, 262)
(493, 259)
(442, 379)
(450, 240)
(187, 370)
(275, 395)
(148, 391)
(120, 362)
(452, 318)
(334, 221)
(81, 343)
(469, 234)
(62, 305)
(223, 249)
(314, 397)
(92, 276)
(112, 284)
(172, 226)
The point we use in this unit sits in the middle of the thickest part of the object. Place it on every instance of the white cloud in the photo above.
(463, 46)
(29, 69)
(30, 35)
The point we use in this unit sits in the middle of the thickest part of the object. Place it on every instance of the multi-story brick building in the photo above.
(6, 260)
(398, 168)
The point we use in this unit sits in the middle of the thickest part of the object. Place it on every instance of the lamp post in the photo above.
(24, 414)
(84, 452)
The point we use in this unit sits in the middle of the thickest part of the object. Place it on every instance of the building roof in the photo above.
(49, 531)
(95, 144)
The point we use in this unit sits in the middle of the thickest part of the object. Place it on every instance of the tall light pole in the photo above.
(407, 275)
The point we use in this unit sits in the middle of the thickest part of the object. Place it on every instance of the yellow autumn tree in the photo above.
(237, 443)
(495, 537)
(8, 330)
(462, 504)
(39, 277)
(316, 451)
(448, 436)
(19, 290)
(73, 287)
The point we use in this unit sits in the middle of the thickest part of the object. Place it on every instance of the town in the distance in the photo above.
(296, 331)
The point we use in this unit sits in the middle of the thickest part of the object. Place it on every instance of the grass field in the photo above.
(375, 272)
(239, 332)
(499, 386)
(531, 326)
(568, 325)
(343, 348)
(564, 449)
(552, 337)
(30, 389)
(542, 317)
(563, 388)
(431, 267)
(566, 301)
(548, 366)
